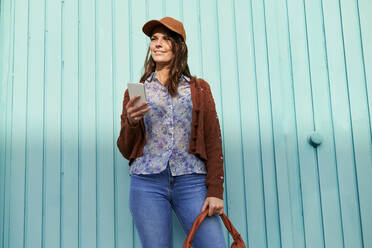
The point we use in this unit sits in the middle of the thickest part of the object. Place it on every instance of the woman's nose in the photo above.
(159, 42)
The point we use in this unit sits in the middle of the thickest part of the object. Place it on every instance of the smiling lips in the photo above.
(159, 52)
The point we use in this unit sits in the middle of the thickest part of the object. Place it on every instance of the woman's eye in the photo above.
(164, 38)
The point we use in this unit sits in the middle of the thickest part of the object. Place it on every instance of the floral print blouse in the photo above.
(168, 129)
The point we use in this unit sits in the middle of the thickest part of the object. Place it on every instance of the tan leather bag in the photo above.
(238, 241)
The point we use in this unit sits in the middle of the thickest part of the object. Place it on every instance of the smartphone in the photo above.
(137, 89)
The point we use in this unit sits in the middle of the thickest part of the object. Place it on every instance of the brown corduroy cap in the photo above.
(168, 22)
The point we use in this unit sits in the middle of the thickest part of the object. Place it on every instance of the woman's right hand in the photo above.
(135, 113)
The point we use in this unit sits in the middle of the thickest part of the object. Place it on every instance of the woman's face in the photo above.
(161, 46)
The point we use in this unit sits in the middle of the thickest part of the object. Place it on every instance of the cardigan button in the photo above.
(194, 139)
(197, 111)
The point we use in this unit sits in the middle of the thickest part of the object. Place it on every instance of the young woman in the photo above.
(173, 144)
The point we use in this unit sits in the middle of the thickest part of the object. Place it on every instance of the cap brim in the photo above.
(150, 25)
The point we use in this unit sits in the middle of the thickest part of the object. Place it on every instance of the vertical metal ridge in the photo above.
(364, 68)
(62, 146)
(272, 122)
(295, 117)
(114, 125)
(2, 131)
(131, 74)
(200, 38)
(96, 124)
(258, 119)
(4, 112)
(164, 8)
(61, 183)
(351, 121)
(313, 115)
(11, 125)
(332, 122)
(44, 125)
(240, 120)
(221, 100)
(366, 96)
(147, 9)
(79, 126)
(130, 39)
(26, 132)
(181, 10)
(4, 127)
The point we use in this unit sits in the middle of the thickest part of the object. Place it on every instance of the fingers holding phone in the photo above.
(136, 112)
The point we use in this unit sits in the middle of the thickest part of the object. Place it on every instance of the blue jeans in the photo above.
(151, 200)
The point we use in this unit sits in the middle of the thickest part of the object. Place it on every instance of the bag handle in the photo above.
(238, 241)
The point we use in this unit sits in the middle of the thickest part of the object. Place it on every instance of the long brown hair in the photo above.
(178, 66)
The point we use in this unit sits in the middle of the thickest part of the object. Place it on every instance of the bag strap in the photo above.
(199, 220)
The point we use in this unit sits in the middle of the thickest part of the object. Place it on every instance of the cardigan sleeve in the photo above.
(129, 134)
(213, 142)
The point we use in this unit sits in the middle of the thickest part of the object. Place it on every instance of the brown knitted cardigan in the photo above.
(205, 140)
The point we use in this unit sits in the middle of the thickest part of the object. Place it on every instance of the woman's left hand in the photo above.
(215, 205)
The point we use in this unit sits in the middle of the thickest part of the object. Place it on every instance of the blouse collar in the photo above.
(153, 76)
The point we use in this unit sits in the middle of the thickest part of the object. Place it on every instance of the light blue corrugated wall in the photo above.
(280, 71)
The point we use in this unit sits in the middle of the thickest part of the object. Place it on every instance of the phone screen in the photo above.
(137, 89)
